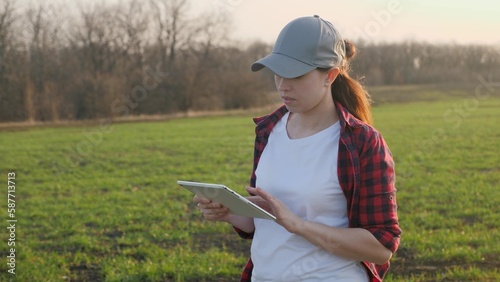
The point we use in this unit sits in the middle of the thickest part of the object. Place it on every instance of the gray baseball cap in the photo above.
(303, 45)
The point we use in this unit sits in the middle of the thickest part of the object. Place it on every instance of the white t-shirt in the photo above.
(303, 174)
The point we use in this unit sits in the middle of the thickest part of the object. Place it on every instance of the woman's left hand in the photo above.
(284, 216)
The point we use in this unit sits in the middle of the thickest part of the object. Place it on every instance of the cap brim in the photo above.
(282, 65)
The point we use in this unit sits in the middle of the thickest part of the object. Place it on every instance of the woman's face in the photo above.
(304, 93)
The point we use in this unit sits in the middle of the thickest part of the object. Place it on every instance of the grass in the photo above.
(100, 203)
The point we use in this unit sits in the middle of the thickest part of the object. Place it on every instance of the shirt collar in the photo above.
(346, 118)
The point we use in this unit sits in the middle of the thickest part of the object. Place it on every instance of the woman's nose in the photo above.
(282, 84)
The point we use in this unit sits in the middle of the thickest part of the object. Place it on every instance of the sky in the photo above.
(434, 21)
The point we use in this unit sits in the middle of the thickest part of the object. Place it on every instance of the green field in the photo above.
(100, 203)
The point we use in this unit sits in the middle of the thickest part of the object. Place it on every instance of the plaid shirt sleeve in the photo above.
(366, 173)
(377, 193)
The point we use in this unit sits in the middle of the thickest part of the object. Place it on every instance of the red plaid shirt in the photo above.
(366, 175)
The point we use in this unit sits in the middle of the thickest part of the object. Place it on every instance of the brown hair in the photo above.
(349, 92)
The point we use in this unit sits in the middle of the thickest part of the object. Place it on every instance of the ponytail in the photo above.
(349, 92)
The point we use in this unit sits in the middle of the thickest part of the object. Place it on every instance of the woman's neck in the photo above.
(308, 123)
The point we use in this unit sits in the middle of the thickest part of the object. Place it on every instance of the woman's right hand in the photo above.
(210, 210)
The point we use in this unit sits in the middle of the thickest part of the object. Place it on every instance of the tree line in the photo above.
(153, 57)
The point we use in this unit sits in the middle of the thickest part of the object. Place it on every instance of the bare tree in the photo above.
(6, 23)
(11, 57)
(41, 97)
(171, 27)
(94, 41)
(133, 26)
(203, 72)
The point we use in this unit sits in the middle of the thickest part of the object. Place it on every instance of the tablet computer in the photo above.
(236, 203)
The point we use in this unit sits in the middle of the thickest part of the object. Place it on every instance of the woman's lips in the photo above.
(287, 100)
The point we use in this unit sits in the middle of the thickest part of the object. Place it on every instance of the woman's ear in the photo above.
(332, 75)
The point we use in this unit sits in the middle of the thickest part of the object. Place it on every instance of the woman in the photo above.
(320, 168)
